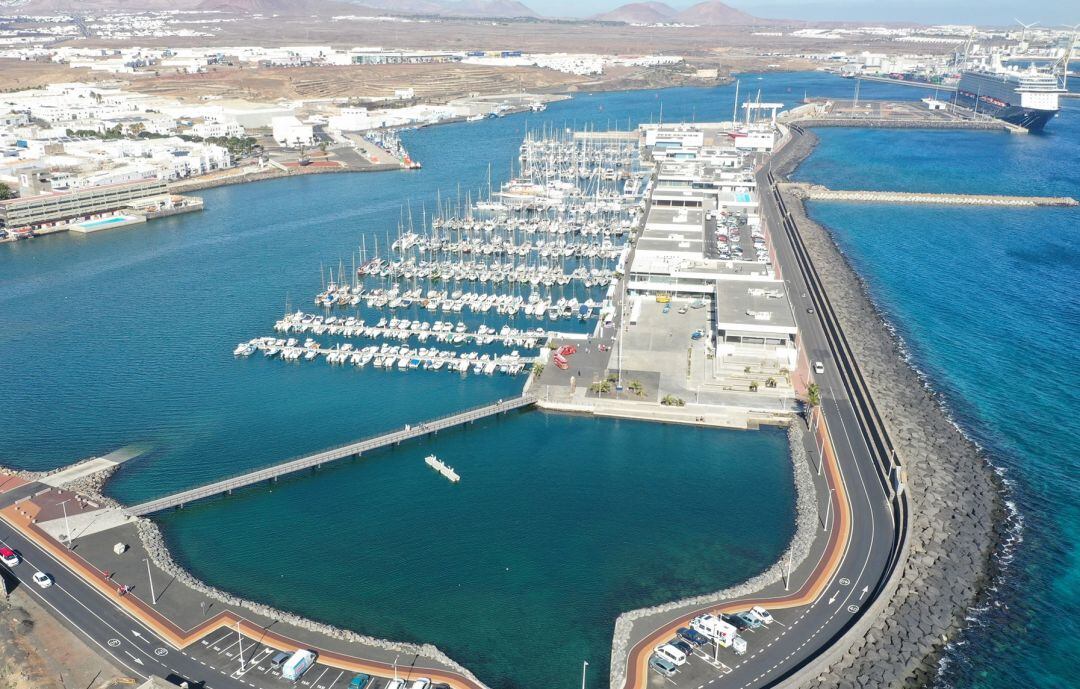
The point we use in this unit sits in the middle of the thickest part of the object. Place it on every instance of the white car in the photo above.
(762, 614)
(819, 367)
(9, 557)
(43, 580)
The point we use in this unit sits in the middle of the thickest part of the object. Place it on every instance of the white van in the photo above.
(421, 683)
(396, 684)
(297, 665)
(670, 653)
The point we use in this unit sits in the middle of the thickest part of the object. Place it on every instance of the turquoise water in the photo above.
(559, 523)
(986, 301)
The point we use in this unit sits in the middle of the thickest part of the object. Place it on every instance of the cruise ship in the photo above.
(1027, 98)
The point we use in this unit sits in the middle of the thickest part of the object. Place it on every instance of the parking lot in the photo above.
(709, 664)
(220, 653)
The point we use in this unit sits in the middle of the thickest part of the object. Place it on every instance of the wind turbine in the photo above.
(1023, 34)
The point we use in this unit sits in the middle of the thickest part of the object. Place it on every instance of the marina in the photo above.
(547, 245)
(285, 410)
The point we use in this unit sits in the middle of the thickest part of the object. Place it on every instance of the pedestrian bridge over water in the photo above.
(408, 432)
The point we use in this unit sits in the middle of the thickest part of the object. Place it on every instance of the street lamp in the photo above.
(67, 526)
(153, 596)
(584, 666)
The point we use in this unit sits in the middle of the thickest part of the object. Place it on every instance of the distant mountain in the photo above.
(453, 8)
(716, 13)
(639, 13)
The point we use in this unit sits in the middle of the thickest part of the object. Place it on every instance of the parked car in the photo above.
(360, 681)
(279, 659)
(735, 621)
(670, 653)
(750, 619)
(683, 646)
(662, 665)
(819, 367)
(693, 636)
(762, 614)
(9, 557)
(43, 580)
(421, 683)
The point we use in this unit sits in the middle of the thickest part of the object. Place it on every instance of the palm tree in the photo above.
(813, 395)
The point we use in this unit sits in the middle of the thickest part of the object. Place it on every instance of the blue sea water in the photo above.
(986, 303)
(559, 523)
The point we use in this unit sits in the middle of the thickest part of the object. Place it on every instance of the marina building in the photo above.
(55, 210)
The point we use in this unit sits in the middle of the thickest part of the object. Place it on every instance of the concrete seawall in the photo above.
(817, 192)
(956, 500)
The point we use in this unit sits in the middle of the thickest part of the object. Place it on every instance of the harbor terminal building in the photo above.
(703, 239)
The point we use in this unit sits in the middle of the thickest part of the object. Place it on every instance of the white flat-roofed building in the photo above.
(754, 318)
(289, 131)
(350, 120)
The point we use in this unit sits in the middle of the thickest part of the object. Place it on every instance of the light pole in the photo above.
(153, 596)
(240, 640)
(828, 509)
(67, 526)
(787, 579)
(584, 666)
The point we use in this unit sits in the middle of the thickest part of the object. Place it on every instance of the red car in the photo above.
(9, 557)
(567, 350)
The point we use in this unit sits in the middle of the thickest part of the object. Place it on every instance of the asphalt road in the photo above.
(136, 649)
(801, 634)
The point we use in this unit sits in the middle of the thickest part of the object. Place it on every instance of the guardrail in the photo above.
(319, 458)
(889, 468)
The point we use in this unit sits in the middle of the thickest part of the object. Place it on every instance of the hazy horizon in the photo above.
(989, 12)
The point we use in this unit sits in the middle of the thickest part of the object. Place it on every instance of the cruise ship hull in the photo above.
(1028, 118)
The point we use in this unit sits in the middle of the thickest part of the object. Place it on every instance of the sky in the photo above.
(983, 12)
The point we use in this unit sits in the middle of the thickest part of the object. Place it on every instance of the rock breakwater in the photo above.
(955, 496)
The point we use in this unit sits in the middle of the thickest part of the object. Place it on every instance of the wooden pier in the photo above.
(314, 461)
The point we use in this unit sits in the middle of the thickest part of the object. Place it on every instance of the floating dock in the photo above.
(443, 468)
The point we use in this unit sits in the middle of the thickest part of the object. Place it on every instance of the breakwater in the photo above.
(955, 498)
(919, 123)
(817, 192)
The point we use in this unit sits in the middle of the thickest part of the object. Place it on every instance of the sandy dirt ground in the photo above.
(37, 652)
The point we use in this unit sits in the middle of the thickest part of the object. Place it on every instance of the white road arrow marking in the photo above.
(865, 590)
(833, 599)
(137, 660)
(140, 636)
